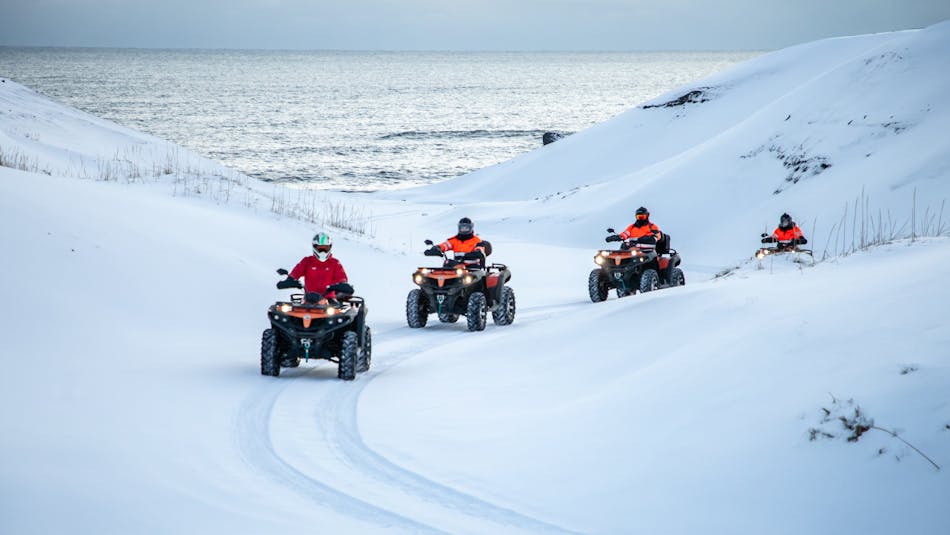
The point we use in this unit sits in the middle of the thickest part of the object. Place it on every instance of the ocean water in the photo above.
(354, 120)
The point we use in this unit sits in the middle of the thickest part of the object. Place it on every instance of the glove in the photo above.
(647, 239)
(473, 255)
(341, 288)
(768, 239)
(433, 251)
(288, 283)
(612, 237)
(800, 241)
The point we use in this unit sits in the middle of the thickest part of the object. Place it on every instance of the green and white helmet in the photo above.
(322, 245)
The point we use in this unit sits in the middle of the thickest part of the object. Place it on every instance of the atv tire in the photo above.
(677, 278)
(649, 281)
(504, 312)
(448, 317)
(349, 352)
(417, 309)
(366, 352)
(270, 365)
(476, 312)
(596, 287)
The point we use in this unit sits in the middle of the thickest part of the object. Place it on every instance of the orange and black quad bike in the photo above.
(462, 286)
(782, 244)
(311, 327)
(643, 264)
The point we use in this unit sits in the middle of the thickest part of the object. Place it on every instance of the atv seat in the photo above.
(663, 245)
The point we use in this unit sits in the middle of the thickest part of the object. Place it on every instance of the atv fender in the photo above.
(494, 284)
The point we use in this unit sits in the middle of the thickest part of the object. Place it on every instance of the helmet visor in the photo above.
(466, 228)
(641, 217)
(321, 248)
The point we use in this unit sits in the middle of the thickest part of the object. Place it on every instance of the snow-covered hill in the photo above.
(132, 305)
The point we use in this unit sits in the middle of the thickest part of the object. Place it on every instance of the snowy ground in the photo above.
(132, 307)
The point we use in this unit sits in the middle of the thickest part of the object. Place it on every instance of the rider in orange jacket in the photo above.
(642, 231)
(465, 242)
(786, 234)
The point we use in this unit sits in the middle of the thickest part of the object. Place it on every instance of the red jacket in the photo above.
(318, 275)
(646, 229)
(781, 234)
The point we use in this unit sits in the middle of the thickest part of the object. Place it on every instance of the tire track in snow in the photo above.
(342, 430)
(336, 422)
(254, 441)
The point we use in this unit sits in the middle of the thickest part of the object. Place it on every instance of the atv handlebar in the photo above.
(289, 283)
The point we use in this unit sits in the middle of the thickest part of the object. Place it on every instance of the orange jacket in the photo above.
(647, 229)
(787, 234)
(461, 246)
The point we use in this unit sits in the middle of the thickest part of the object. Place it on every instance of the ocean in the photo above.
(355, 120)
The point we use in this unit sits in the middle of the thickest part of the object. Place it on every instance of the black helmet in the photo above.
(785, 221)
(642, 214)
(466, 227)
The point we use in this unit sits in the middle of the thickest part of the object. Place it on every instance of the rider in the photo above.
(787, 234)
(642, 231)
(466, 241)
(320, 270)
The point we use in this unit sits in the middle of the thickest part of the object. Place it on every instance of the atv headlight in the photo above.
(599, 260)
(424, 271)
(418, 278)
(459, 271)
(467, 279)
(605, 253)
(285, 308)
(331, 311)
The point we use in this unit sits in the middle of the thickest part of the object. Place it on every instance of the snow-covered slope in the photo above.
(131, 309)
(874, 108)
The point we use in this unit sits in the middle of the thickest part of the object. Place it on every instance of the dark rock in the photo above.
(551, 137)
(695, 96)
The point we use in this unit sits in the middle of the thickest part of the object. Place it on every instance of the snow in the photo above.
(136, 276)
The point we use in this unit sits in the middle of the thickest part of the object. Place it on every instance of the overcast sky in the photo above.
(455, 24)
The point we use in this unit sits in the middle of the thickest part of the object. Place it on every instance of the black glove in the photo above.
(473, 255)
(612, 237)
(288, 283)
(768, 239)
(341, 288)
(433, 251)
(647, 239)
(800, 241)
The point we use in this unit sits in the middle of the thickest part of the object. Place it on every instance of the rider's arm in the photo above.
(299, 269)
(446, 245)
(339, 274)
(625, 235)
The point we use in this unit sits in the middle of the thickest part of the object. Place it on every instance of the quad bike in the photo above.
(462, 286)
(311, 327)
(637, 265)
(781, 246)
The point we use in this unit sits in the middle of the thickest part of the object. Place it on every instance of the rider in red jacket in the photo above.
(321, 269)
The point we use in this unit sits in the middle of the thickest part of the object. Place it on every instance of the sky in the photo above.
(455, 24)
